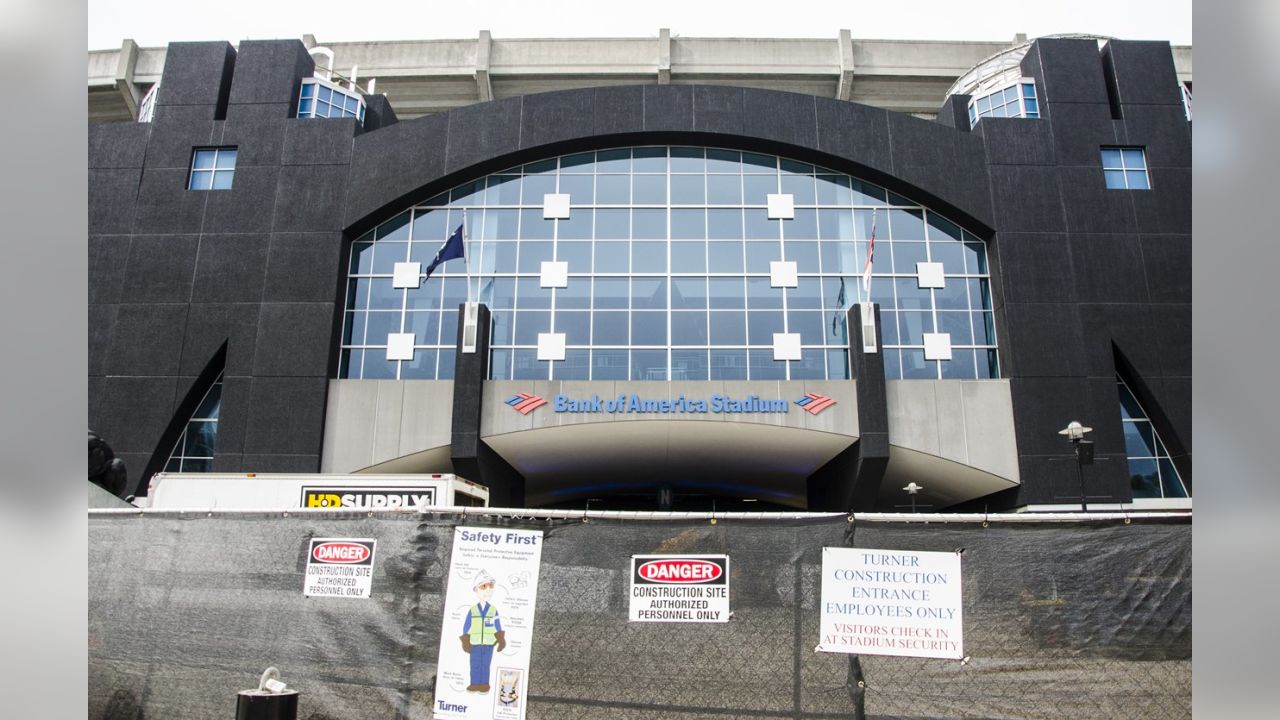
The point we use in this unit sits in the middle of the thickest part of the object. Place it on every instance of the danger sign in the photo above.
(339, 567)
(679, 588)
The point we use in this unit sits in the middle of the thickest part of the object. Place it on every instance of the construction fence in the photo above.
(1062, 619)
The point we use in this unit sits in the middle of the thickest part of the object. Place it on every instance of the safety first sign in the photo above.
(339, 567)
(680, 588)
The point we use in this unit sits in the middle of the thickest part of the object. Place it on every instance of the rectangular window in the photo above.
(1125, 168)
(1017, 100)
(212, 168)
(320, 99)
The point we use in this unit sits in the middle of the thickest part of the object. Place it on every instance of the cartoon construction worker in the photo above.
(482, 633)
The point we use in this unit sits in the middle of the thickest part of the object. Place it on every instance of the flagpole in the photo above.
(466, 254)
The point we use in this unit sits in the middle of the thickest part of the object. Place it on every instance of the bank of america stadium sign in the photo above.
(524, 403)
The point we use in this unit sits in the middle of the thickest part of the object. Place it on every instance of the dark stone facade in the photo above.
(1086, 281)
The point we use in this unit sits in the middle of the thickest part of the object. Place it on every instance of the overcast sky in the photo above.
(154, 23)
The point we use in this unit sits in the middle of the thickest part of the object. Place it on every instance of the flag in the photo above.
(838, 320)
(871, 249)
(450, 250)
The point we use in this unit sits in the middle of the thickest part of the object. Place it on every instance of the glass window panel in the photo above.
(534, 227)
(1144, 478)
(649, 224)
(688, 257)
(1129, 408)
(866, 193)
(421, 367)
(579, 163)
(892, 364)
(500, 365)
(724, 190)
(358, 294)
(648, 364)
(503, 324)
(613, 189)
(801, 187)
(689, 365)
(609, 364)
(792, 166)
(468, 193)
(195, 465)
(502, 293)
(811, 366)
(648, 328)
(580, 190)
(756, 188)
(429, 226)
(975, 257)
(838, 364)
(498, 225)
(611, 293)
(911, 295)
(455, 292)
(308, 90)
(992, 367)
(809, 324)
(530, 294)
(649, 293)
(200, 180)
(760, 294)
(425, 326)
(726, 292)
(951, 255)
(1137, 180)
(448, 358)
(838, 257)
(532, 255)
(1114, 178)
(648, 257)
(353, 328)
(728, 364)
(541, 166)
(915, 367)
(724, 256)
(575, 366)
(761, 325)
(912, 325)
(527, 366)
(760, 254)
(384, 297)
(907, 224)
(754, 163)
(201, 438)
(612, 257)
(578, 226)
(881, 289)
(687, 160)
(689, 328)
(688, 293)
(960, 366)
(837, 322)
(377, 367)
(905, 255)
(649, 160)
(379, 325)
(723, 161)
(804, 226)
(1170, 482)
(889, 328)
(649, 189)
(984, 104)
(504, 190)
(942, 231)
(222, 180)
(536, 187)
(225, 159)
(529, 323)
(758, 226)
(728, 327)
(688, 189)
(577, 294)
(1132, 157)
(305, 107)
(361, 258)
(609, 327)
(576, 326)
(979, 293)
(835, 224)
(325, 94)
(1137, 439)
(724, 224)
(833, 190)
(806, 294)
(957, 324)
(764, 367)
(576, 254)
(952, 296)
(614, 161)
(424, 297)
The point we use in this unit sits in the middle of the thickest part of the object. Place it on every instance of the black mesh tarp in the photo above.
(1088, 619)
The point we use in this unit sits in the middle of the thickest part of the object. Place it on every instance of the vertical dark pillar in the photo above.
(472, 459)
(196, 81)
(954, 112)
(873, 418)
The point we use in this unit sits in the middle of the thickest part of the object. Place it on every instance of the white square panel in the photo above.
(786, 346)
(929, 275)
(555, 274)
(550, 346)
(555, 206)
(400, 346)
(782, 207)
(782, 273)
(937, 346)
(407, 275)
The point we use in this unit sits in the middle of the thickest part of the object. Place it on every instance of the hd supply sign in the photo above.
(368, 498)
(680, 588)
(339, 567)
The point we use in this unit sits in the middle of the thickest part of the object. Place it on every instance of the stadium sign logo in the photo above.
(813, 403)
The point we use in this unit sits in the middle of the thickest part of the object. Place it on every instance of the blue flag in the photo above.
(450, 250)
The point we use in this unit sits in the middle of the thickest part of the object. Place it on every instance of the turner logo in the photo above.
(813, 403)
(524, 403)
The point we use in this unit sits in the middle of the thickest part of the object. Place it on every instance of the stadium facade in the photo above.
(663, 302)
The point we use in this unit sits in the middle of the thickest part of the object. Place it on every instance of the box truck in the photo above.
(286, 491)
